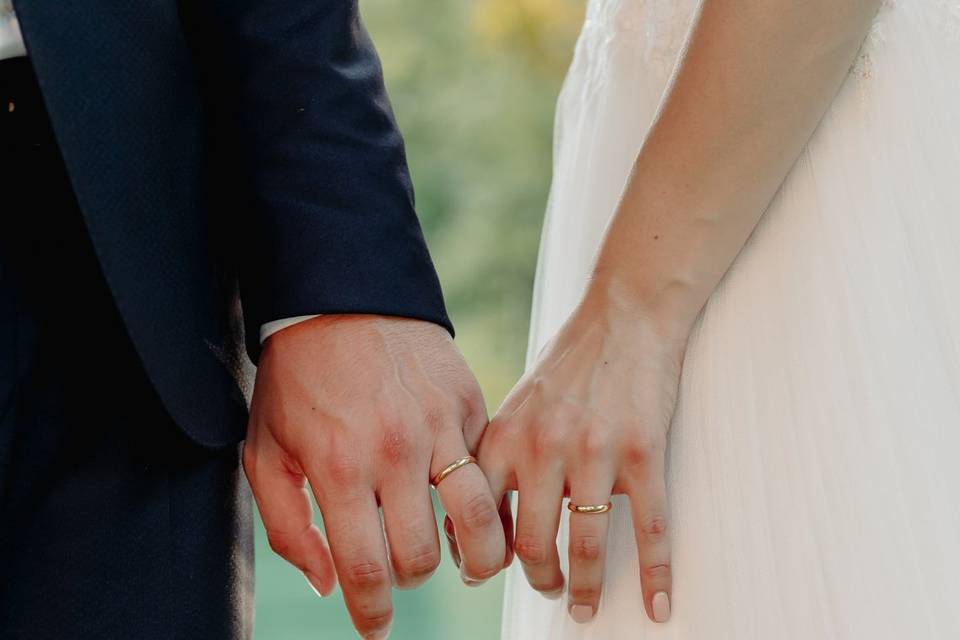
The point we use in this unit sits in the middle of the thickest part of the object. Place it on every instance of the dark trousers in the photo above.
(112, 523)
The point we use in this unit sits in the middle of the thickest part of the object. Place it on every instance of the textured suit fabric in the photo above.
(113, 524)
(230, 147)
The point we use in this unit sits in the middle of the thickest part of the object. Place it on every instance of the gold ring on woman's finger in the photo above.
(590, 508)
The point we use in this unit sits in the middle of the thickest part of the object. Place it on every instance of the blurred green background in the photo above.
(473, 84)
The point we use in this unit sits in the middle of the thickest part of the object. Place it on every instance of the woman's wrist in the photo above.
(669, 312)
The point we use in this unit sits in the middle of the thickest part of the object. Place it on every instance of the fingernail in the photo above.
(581, 613)
(553, 595)
(661, 606)
(448, 528)
(314, 583)
(380, 634)
(454, 553)
(467, 580)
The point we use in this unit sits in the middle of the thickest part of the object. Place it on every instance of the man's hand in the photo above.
(366, 409)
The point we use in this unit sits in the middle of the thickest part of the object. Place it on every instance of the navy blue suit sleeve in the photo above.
(327, 206)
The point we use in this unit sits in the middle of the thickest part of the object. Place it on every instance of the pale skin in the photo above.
(363, 410)
(591, 417)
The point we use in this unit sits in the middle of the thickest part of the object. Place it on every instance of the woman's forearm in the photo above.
(755, 79)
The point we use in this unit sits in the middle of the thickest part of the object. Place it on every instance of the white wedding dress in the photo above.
(814, 459)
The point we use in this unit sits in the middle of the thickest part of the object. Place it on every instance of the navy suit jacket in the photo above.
(225, 151)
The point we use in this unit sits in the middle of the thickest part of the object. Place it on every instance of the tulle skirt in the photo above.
(814, 460)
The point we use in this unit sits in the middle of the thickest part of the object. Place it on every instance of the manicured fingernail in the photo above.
(581, 613)
(380, 634)
(467, 580)
(553, 595)
(454, 553)
(314, 583)
(448, 528)
(661, 606)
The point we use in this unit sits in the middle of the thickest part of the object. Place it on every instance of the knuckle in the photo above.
(530, 548)
(596, 443)
(547, 587)
(343, 471)
(585, 548)
(283, 545)
(419, 561)
(479, 512)
(373, 620)
(481, 570)
(549, 441)
(654, 527)
(396, 448)
(367, 576)
(656, 571)
(584, 593)
(642, 448)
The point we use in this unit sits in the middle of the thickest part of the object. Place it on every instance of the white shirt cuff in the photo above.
(267, 329)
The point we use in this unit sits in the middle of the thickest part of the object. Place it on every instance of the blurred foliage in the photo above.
(542, 30)
(473, 84)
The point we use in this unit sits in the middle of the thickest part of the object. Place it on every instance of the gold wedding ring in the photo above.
(589, 508)
(450, 468)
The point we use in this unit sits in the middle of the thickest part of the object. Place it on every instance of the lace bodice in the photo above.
(659, 27)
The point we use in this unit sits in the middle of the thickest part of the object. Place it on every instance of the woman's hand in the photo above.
(590, 419)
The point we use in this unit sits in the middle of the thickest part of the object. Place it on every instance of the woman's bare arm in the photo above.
(755, 79)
